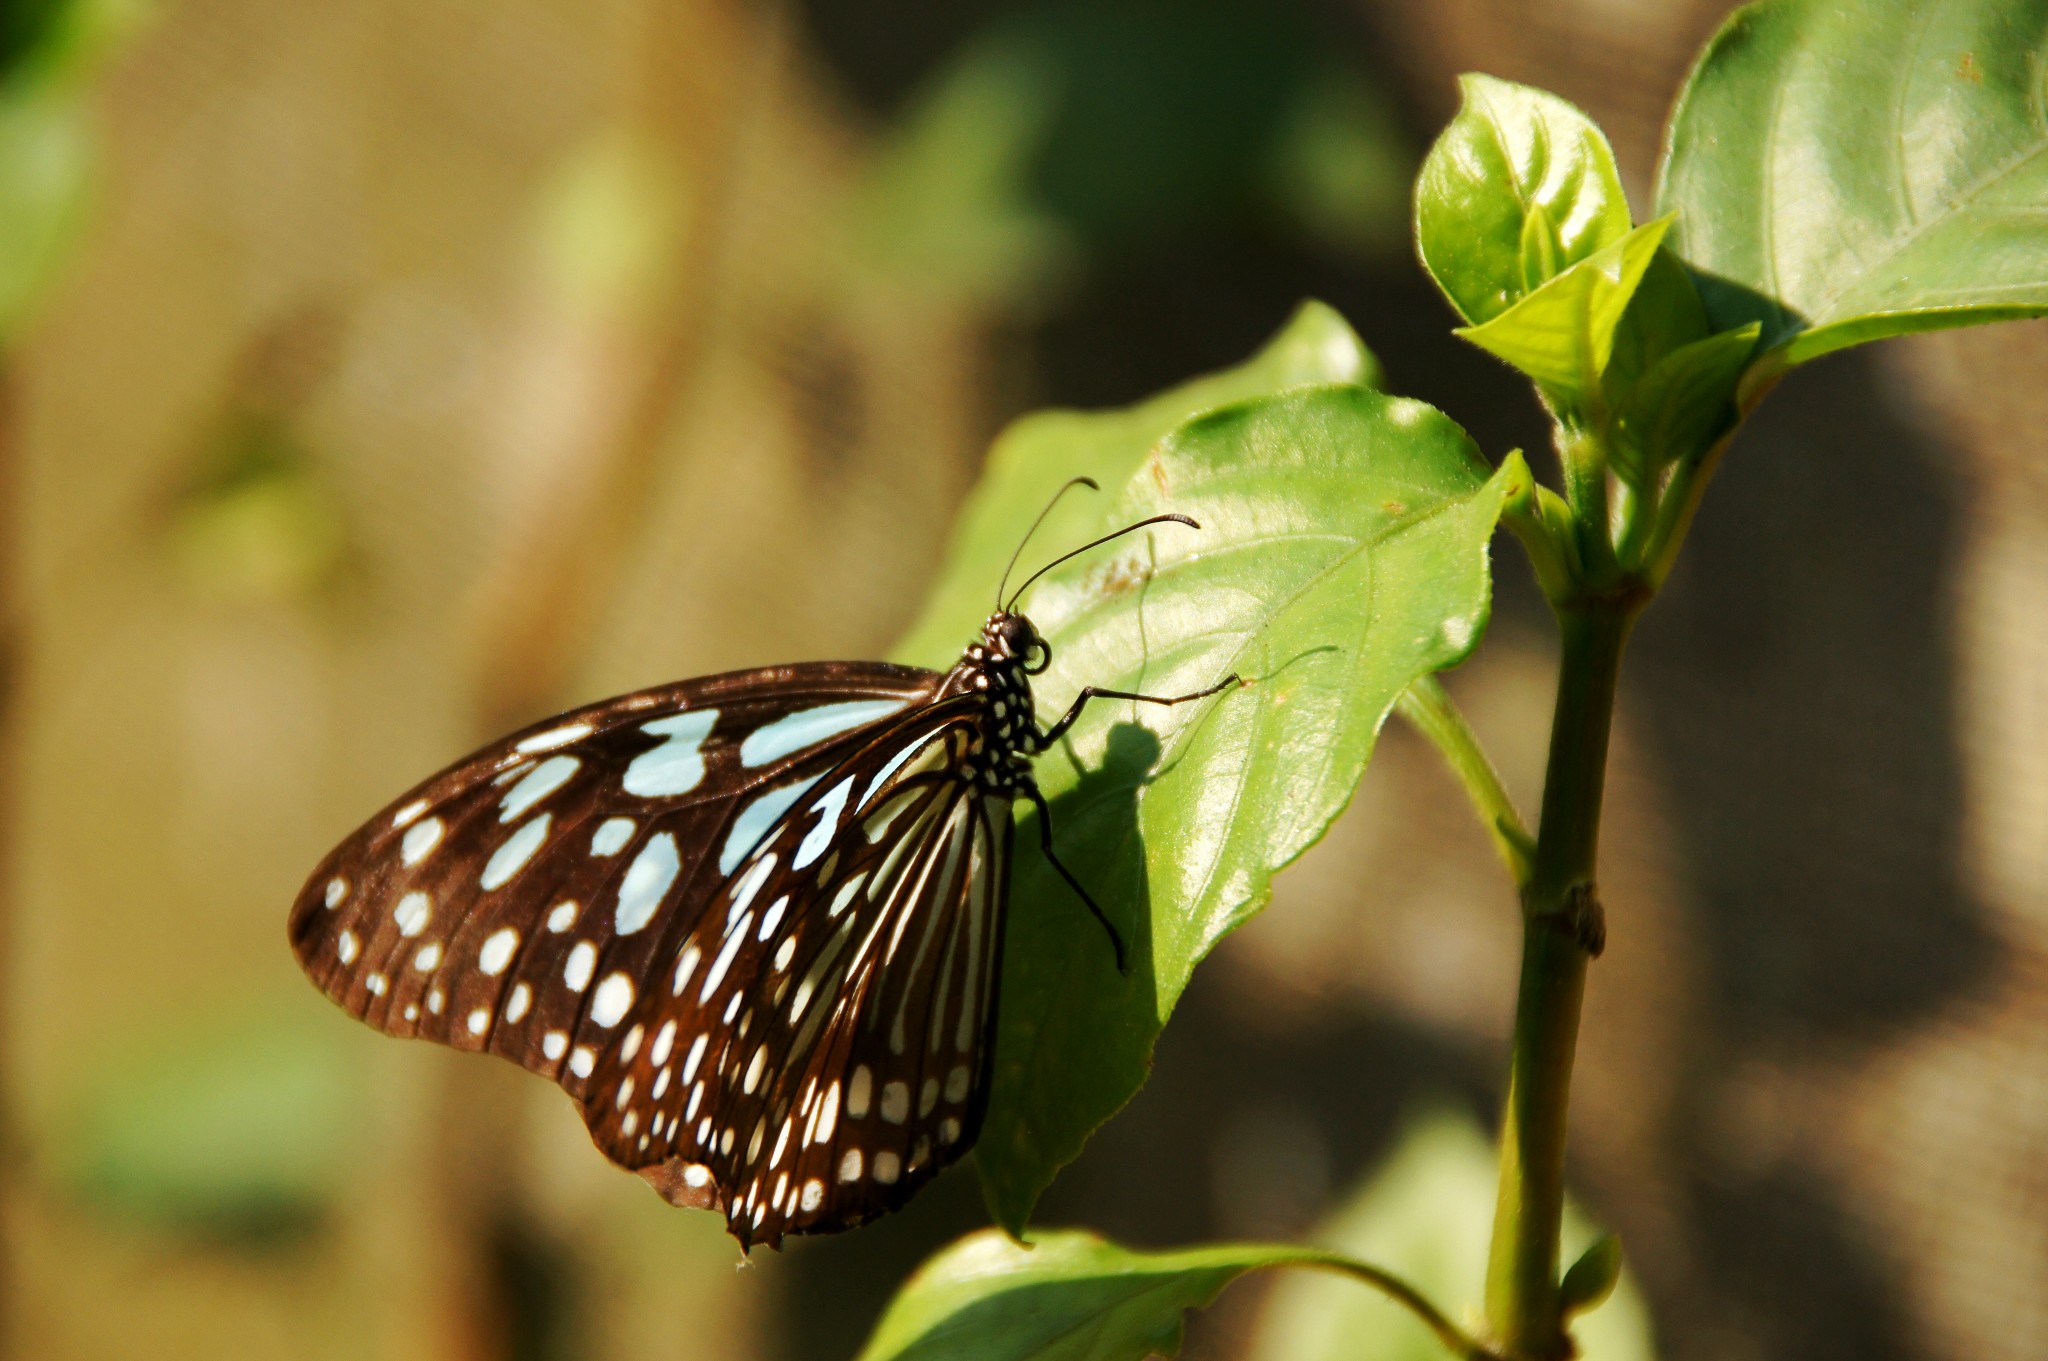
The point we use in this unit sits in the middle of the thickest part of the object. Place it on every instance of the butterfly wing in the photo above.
(512, 902)
(823, 1045)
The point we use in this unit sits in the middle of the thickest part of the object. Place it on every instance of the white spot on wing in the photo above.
(552, 738)
(888, 1167)
(813, 1195)
(420, 840)
(511, 857)
(896, 1102)
(412, 913)
(677, 765)
(686, 964)
(849, 1166)
(808, 727)
(613, 998)
(819, 837)
(647, 880)
(576, 970)
(404, 817)
(858, 1091)
(828, 1115)
(429, 957)
(755, 820)
(522, 998)
(563, 916)
(376, 983)
(716, 975)
(337, 889)
(554, 1044)
(543, 780)
(611, 836)
(347, 946)
(584, 1061)
(496, 951)
(478, 1021)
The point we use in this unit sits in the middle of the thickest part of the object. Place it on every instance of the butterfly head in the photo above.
(1012, 637)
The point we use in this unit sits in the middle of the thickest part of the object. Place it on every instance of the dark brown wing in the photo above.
(519, 901)
(822, 1046)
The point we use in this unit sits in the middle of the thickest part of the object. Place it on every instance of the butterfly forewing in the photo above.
(490, 907)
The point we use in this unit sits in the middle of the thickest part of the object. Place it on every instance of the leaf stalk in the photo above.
(1428, 707)
(1456, 1340)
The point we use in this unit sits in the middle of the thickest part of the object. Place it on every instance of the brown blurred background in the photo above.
(378, 375)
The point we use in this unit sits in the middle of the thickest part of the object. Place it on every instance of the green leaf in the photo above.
(1426, 1213)
(1039, 452)
(1562, 334)
(1066, 1296)
(1664, 314)
(1520, 187)
(1848, 172)
(1590, 1280)
(1342, 554)
(1682, 405)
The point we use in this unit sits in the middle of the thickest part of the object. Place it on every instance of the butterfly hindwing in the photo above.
(822, 1046)
(494, 906)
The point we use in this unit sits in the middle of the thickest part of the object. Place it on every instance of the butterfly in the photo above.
(753, 923)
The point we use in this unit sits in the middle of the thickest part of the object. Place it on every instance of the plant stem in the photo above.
(1428, 708)
(1561, 931)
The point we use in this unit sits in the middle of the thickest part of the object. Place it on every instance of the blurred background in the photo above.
(377, 375)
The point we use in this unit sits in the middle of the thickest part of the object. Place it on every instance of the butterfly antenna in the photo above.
(1065, 487)
(1097, 543)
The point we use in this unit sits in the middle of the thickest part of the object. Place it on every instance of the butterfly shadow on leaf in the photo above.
(1071, 1029)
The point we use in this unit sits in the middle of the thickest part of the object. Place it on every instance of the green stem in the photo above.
(1455, 1339)
(1561, 931)
(1428, 707)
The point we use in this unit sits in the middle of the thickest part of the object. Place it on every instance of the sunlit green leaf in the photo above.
(1067, 1296)
(1664, 314)
(1519, 187)
(1342, 554)
(1682, 404)
(1562, 334)
(1847, 172)
(1038, 453)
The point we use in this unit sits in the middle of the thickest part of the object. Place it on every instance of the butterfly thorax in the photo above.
(997, 671)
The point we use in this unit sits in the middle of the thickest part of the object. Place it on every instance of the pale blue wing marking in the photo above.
(611, 836)
(677, 765)
(755, 820)
(808, 727)
(648, 880)
(511, 857)
(543, 780)
(819, 837)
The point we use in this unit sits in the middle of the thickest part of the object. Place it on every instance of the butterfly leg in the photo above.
(1116, 940)
(1088, 692)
